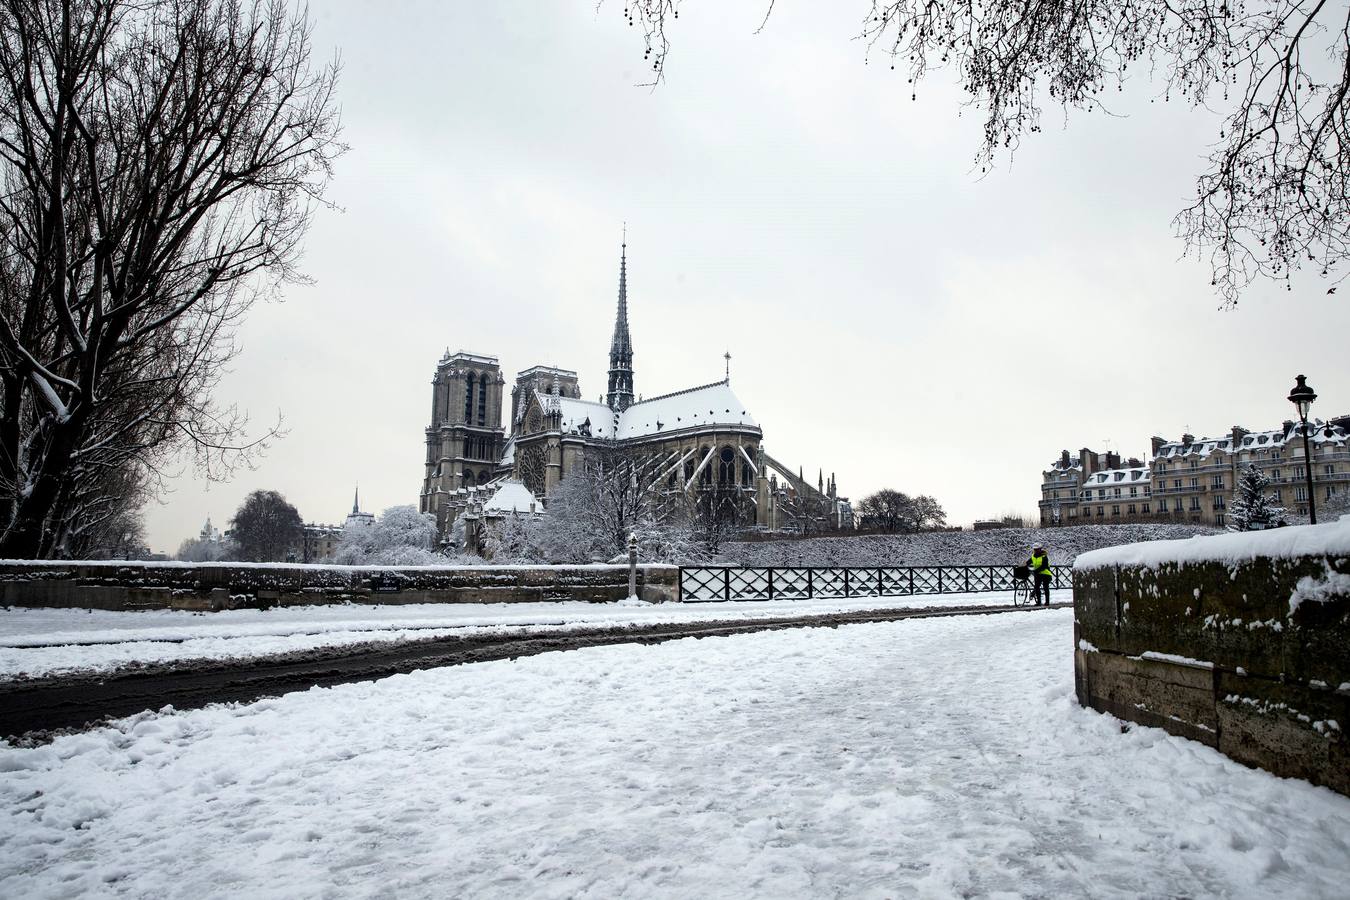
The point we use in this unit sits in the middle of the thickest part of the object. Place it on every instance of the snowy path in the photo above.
(936, 758)
(36, 642)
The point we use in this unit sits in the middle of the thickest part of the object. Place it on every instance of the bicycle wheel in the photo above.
(1021, 594)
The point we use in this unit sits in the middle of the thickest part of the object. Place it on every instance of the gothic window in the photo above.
(705, 477)
(483, 477)
(468, 478)
(482, 400)
(726, 466)
(468, 399)
(534, 424)
(747, 474)
(531, 469)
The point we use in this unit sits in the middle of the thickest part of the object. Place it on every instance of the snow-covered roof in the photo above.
(700, 407)
(1319, 432)
(1132, 475)
(711, 404)
(580, 415)
(512, 496)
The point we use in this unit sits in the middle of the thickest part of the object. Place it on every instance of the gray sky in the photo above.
(892, 317)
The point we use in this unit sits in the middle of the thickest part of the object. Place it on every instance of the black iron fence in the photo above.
(711, 583)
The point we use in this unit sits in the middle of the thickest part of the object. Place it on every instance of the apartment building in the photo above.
(1192, 480)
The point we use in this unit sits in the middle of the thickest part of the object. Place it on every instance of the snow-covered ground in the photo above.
(937, 758)
(36, 642)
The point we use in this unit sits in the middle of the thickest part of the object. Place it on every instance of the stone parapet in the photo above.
(1249, 654)
(216, 586)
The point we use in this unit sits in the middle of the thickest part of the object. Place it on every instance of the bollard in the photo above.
(632, 565)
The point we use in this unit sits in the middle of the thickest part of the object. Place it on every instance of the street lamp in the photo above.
(1302, 397)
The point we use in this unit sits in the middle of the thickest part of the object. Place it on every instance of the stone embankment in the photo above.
(1241, 642)
(216, 586)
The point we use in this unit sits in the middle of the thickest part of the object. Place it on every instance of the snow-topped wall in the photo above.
(215, 586)
(1240, 641)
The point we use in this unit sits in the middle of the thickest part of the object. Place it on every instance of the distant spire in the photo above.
(356, 500)
(621, 345)
(727, 357)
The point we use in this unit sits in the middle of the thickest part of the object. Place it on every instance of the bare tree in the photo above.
(595, 508)
(266, 528)
(1275, 197)
(895, 511)
(160, 161)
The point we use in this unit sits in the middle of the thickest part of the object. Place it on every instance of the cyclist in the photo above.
(1040, 571)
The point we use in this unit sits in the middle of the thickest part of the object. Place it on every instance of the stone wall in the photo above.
(1248, 655)
(216, 586)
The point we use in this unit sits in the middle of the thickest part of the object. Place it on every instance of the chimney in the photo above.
(1112, 459)
(1064, 459)
(1157, 444)
(1187, 440)
(1134, 463)
(1089, 460)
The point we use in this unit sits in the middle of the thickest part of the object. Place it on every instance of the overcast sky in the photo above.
(892, 317)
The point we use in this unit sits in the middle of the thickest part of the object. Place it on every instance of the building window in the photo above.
(1176, 505)
(1176, 484)
(482, 401)
(1300, 494)
(1087, 512)
(1146, 509)
(1218, 501)
(1131, 509)
(1195, 484)
(1134, 492)
(726, 466)
(1218, 520)
(1217, 483)
(1329, 470)
(1115, 509)
(1117, 492)
(1331, 491)
(1195, 503)
(1101, 511)
(1299, 472)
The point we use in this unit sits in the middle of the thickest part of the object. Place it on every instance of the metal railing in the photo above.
(701, 584)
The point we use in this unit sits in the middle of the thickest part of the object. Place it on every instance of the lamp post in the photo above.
(1302, 396)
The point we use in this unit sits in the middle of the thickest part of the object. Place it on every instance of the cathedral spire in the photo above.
(356, 500)
(620, 394)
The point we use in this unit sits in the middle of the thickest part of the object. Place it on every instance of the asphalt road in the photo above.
(37, 709)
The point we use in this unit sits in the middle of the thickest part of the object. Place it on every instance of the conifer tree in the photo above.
(1251, 509)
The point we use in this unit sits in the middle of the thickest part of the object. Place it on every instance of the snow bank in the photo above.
(1329, 540)
(917, 759)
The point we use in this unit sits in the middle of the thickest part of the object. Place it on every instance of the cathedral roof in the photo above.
(700, 407)
(512, 496)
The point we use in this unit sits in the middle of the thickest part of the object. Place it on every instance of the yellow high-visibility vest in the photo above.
(1040, 565)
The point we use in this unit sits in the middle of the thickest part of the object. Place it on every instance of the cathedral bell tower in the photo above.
(620, 395)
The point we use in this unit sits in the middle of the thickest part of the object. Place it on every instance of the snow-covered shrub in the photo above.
(401, 536)
(514, 540)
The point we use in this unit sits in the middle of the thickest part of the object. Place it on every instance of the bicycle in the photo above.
(1024, 593)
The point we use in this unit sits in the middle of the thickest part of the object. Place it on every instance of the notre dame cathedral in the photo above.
(696, 442)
